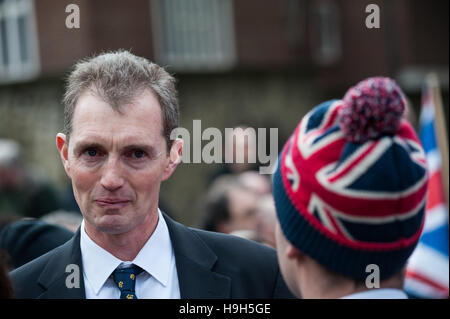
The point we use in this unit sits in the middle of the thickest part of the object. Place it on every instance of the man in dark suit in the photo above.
(120, 111)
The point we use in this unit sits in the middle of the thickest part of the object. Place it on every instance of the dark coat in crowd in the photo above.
(27, 239)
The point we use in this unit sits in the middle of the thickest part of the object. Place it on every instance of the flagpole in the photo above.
(441, 130)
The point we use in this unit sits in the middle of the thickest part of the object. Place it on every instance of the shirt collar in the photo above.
(383, 293)
(154, 257)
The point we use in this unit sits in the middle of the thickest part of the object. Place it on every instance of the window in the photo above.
(193, 35)
(18, 41)
(327, 41)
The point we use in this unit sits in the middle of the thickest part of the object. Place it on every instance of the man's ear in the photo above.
(63, 148)
(174, 158)
(294, 253)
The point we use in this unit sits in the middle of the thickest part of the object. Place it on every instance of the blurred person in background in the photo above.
(67, 199)
(258, 183)
(267, 218)
(69, 220)
(237, 141)
(23, 190)
(247, 234)
(229, 206)
(410, 114)
(350, 195)
(26, 239)
(7, 218)
(120, 110)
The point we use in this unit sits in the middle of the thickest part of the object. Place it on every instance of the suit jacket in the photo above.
(209, 265)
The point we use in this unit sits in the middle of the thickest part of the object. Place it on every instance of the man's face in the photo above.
(116, 161)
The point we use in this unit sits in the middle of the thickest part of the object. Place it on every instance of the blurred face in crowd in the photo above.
(117, 161)
(258, 183)
(237, 142)
(242, 208)
(11, 176)
(267, 216)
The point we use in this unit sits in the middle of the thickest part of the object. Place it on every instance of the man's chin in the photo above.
(113, 224)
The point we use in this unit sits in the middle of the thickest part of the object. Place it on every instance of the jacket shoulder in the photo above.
(249, 263)
(243, 250)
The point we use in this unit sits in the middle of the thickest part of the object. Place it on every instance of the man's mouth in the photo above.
(112, 202)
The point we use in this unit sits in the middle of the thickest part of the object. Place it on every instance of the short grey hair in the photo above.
(118, 77)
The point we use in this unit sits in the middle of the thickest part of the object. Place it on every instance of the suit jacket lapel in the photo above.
(55, 274)
(195, 261)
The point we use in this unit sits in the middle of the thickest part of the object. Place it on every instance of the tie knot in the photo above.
(125, 280)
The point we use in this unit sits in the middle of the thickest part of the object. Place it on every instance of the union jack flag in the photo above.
(428, 268)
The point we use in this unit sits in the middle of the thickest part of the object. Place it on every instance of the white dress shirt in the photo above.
(378, 293)
(158, 280)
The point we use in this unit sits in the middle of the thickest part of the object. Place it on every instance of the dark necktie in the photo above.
(125, 280)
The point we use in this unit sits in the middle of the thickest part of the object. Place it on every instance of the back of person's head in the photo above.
(229, 206)
(215, 208)
(350, 185)
(27, 239)
(119, 77)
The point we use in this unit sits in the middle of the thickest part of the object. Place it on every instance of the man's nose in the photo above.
(112, 175)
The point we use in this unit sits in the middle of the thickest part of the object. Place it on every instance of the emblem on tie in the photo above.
(125, 280)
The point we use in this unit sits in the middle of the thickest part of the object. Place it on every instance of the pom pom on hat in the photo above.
(371, 109)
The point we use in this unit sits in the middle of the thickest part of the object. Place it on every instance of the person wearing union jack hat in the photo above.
(350, 194)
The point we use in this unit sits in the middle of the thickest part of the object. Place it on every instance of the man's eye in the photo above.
(136, 154)
(92, 152)
(139, 154)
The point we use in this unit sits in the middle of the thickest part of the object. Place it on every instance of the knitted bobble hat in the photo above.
(350, 184)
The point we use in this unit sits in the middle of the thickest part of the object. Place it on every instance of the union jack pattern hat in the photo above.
(351, 182)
